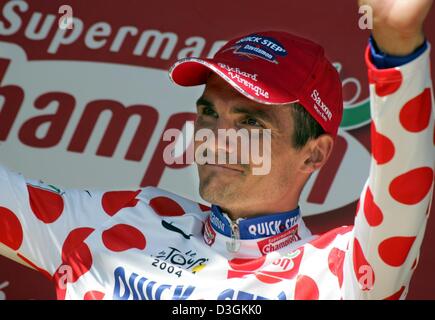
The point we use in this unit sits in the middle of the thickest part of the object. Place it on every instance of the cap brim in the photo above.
(195, 71)
(191, 71)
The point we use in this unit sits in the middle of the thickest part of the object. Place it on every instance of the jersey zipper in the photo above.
(234, 244)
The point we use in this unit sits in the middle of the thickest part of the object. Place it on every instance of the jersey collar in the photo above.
(253, 237)
(256, 227)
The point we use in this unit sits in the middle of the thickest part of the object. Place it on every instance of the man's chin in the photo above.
(210, 195)
(216, 193)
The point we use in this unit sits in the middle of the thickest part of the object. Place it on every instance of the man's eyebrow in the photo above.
(257, 113)
(203, 102)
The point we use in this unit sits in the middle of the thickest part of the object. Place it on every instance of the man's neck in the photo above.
(287, 203)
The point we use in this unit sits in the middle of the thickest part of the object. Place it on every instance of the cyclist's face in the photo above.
(237, 186)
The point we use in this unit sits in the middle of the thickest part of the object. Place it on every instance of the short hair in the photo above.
(305, 127)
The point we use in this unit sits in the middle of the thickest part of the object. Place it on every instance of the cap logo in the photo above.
(320, 107)
(237, 71)
(255, 46)
(240, 77)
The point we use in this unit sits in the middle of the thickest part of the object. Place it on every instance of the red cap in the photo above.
(273, 68)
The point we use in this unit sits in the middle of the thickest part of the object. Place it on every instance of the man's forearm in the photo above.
(398, 24)
(397, 44)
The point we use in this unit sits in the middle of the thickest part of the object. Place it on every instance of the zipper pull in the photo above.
(234, 245)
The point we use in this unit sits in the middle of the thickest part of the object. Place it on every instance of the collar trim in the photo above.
(254, 228)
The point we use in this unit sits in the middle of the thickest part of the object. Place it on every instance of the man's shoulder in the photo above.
(167, 203)
(336, 237)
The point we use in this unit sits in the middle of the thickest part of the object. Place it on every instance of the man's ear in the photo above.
(317, 152)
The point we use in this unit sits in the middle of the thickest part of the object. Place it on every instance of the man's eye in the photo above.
(252, 122)
(208, 111)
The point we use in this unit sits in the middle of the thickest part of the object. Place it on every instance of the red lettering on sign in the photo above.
(13, 98)
(57, 121)
(120, 116)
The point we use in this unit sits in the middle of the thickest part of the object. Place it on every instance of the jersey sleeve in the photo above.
(40, 223)
(395, 202)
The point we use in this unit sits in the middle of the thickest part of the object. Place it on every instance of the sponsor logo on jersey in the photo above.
(184, 259)
(170, 226)
(140, 287)
(209, 234)
(231, 294)
(285, 267)
(198, 268)
(216, 222)
(270, 228)
(133, 286)
(279, 241)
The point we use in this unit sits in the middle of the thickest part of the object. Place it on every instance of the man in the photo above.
(253, 244)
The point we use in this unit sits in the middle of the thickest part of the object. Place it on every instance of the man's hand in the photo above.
(398, 24)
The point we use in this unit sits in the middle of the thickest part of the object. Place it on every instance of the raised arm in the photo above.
(42, 225)
(395, 202)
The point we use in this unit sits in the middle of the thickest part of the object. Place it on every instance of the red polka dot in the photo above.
(306, 289)
(335, 263)
(326, 239)
(382, 147)
(11, 232)
(271, 277)
(203, 207)
(394, 251)
(94, 295)
(166, 207)
(362, 268)
(268, 277)
(397, 295)
(372, 212)
(122, 237)
(113, 201)
(415, 114)
(46, 205)
(247, 264)
(80, 261)
(242, 267)
(76, 255)
(74, 239)
(412, 186)
(385, 88)
(45, 273)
